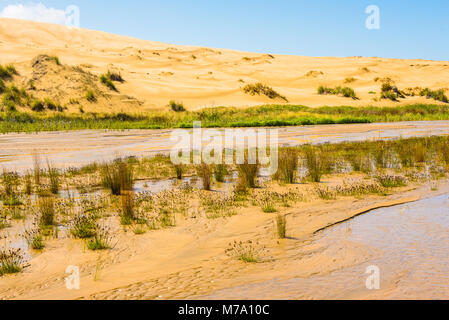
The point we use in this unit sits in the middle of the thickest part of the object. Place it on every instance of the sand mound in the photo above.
(156, 73)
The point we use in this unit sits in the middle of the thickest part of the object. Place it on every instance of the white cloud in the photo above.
(34, 11)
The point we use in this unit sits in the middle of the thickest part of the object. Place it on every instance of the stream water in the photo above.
(408, 243)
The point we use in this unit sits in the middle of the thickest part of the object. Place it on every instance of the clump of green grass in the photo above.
(56, 60)
(53, 175)
(281, 226)
(11, 261)
(325, 193)
(37, 105)
(90, 96)
(117, 176)
(315, 161)
(7, 72)
(346, 92)
(83, 227)
(350, 80)
(28, 185)
(106, 80)
(389, 91)
(261, 89)
(179, 170)
(220, 172)
(10, 181)
(114, 76)
(247, 175)
(34, 239)
(139, 229)
(177, 106)
(204, 171)
(438, 95)
(287, 166)
(391, 181)
(268, 207)
(218, 206)
(101, 241)
(127, 214)
(249, 251)
(47, 211)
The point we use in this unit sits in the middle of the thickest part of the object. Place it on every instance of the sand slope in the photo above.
(156, 73)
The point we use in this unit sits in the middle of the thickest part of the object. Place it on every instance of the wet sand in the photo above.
(188, 261)
(77, 148)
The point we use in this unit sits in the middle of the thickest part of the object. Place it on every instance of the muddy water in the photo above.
(77, 148)
(408, 243)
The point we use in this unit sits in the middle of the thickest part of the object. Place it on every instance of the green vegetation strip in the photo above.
(224, 117)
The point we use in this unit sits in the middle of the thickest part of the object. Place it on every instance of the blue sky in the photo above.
(408, 28)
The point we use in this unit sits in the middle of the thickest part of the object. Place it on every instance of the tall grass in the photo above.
(314, 163)
(281, 226)
(47, 211)
(117, 176)
(287, 166)
(247, 175)
(204, 171)
(179, 170)
(220, 172)
(53, 175)
(127, 208)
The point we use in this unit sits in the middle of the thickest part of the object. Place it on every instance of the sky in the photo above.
(406, 28)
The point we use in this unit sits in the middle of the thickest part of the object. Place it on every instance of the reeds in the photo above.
(287, 166)
(179, 170)
(53, 175)
(46, 208)
(117, 176)
(220, 172)
(10, 181)
(204, 171)
(314, 163)
(281, 226)
(127, 208)
(247, 175)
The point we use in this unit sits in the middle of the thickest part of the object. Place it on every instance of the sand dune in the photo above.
(156, 73)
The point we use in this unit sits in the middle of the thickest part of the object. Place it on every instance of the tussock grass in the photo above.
(127, 214)
(261, 89)
(177, 106)
(247, 175)
(179, 170)
(220, 172)
(343, 91)
(47, 211)
(204, 171)
(11, 261)
(34, 238)
(101, 241)
(83, 227)
(281, 226)
(248, 252)
(117, 176)
(287, 166)
(90, 96)
(53, 175)
(7, 72)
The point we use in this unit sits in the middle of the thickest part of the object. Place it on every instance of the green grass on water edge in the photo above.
(222, 117)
